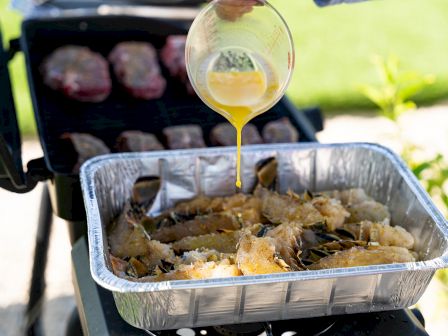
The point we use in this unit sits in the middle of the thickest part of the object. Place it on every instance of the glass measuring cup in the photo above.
(239, 59)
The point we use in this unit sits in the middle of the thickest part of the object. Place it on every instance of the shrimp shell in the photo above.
(360, 256)
(200, 225)
(349, 196)
(223, 242)
(385, 235)
(332, 210)
(286, 209)
(198, 270)
(258, 256)
(368, 210)
(286, 238)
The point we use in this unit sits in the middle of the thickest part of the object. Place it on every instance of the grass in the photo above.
(333, 45)
(10, 27)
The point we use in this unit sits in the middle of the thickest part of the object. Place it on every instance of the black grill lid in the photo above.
(12, 175)
(11, 171)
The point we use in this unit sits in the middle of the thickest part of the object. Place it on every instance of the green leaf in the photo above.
(410, 89)
(374, 94)
(444, 198)
(403, 107)
(421, 168)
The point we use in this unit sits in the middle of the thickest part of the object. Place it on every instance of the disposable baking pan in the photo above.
(107, 181)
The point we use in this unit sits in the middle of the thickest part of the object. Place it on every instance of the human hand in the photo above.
(233, 9)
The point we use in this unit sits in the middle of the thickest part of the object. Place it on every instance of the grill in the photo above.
(56, 115)
(101, 28)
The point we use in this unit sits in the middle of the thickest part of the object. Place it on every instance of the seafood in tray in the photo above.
(370, 189)
(261, 232)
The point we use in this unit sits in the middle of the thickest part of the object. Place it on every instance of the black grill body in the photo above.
(55, 114)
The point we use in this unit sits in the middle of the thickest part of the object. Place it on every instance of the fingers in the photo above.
(233, 9)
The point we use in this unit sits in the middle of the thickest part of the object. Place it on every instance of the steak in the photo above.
(184, 137)
(280, 131)
(78, 73)
(137, 141)
(173, 57)
(84, 146)
(224, 134)
(137, 69)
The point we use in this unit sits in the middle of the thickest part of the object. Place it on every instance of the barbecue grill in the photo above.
(101, 27)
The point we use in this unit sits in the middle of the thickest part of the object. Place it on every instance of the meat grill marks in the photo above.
(78, 73)
(136, 67)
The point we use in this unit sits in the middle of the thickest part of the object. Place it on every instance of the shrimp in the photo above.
(119, 266)
(313, 254)
(360, 256)
(368, 210)
(198, 270)
(125, 238)
(199, 205)
(383, 234)
(246, 207)
(156, 252)
(204, 255)
(258, 256)
(200, 225)
(287, 209)
(332, 210)
(223, 242)
(285, 240)
(349, 196)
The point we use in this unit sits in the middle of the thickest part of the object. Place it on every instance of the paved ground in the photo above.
(18, 215)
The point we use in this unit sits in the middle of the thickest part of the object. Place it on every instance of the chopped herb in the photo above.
(234, 60)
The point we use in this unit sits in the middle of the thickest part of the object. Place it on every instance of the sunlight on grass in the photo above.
(10, 27)
(334, 46)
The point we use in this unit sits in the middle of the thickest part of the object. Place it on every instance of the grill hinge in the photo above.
(38, 171)
(14, 48)
(15, 180)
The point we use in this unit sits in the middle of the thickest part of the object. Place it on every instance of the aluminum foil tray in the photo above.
(107, 181)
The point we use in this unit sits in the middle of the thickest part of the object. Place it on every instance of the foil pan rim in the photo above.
(105, 278)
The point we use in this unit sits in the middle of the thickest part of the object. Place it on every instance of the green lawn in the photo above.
(10, 27)
(334, 46)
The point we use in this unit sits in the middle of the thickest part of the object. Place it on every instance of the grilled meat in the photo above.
(137, 69)
(137, 141)
(173, 57)
(78, 73)
(85, 146)
(224, 134)
(184, 137)
(280, 131)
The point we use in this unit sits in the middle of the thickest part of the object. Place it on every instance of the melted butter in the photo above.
(237, 88)
(239, 96)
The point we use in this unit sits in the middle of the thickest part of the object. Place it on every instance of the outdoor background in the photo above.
(334, 51)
